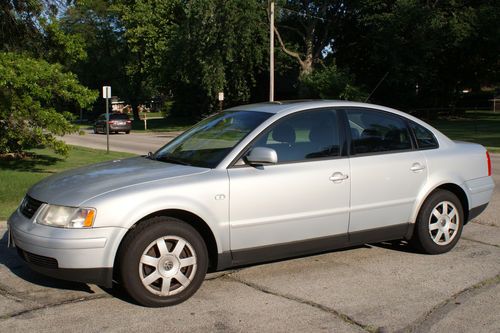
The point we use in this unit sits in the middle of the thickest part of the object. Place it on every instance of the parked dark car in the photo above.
(118, 122)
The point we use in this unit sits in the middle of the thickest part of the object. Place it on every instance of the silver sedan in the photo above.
(252, 184)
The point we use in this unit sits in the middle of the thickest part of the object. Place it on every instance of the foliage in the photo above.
(198, 48)
(35, 98)
(306, 29)
(330, 82)
(429, 51)
(96, 24)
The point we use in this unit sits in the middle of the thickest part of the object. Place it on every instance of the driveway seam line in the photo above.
(480, 242)
(54, 305)
(345, 318)
(473, 290)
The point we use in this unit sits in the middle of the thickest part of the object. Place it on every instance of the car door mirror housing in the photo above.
(261, 156)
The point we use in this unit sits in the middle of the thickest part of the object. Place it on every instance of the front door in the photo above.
(299, 204)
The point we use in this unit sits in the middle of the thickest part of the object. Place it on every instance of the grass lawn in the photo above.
(476, 126)
(16, 176)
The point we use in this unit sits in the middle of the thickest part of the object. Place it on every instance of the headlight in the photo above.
(66, 217)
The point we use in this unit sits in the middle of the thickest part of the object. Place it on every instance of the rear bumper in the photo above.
(476, 211)
(480, 191)
(120, 127)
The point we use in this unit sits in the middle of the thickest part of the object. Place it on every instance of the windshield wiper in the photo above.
(168, 159)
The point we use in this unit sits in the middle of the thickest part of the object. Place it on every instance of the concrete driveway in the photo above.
(379, 287)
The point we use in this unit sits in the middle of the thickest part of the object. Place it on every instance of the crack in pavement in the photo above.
(12, 296)
(347, 319)
(434, 315)
(53, 305)
(478, 241)
(479, 222)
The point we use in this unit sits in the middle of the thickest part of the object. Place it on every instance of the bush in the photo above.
(35, 98)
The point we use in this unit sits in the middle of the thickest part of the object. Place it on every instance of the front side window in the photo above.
(303, 136)
(374, 131)
(208, 142)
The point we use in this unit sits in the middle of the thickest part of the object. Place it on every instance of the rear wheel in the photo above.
(127, 132)
(439, 223)
(163, 262)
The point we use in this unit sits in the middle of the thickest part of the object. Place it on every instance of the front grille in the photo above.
(29, 206)
(38, 260)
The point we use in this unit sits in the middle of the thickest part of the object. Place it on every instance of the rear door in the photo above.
(386, 174)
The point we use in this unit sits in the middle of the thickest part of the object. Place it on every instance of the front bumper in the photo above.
(84, 255)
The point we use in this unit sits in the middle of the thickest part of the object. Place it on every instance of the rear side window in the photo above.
(374, 131)
(425, 138)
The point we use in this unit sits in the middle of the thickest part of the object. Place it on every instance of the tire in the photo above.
(127, 132)
(95, 130)
(151, 270)
(439, 223)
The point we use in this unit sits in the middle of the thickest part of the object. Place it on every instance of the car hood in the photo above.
(73, 187)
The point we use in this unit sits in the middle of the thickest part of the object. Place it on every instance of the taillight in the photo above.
(111, 122)
(129, 121)
(488, 159)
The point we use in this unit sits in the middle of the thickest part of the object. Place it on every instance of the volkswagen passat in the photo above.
(252, 184)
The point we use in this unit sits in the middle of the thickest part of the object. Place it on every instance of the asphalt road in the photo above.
(139, 143)
(378, 287)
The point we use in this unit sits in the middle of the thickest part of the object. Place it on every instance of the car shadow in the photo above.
(13, 262)
(397, 245)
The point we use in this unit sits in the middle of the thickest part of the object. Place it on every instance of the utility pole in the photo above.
(271, 52)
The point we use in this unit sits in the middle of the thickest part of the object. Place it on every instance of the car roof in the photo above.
(280, 106)
(287, 107)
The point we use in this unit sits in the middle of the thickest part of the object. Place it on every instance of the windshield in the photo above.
(208, 142)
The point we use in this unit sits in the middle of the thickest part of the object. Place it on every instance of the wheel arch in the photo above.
(188, 217)
(451, 187)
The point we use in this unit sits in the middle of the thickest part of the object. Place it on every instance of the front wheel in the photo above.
(439, 223)
(163, 262)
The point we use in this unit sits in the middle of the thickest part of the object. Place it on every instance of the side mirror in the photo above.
(261, 156)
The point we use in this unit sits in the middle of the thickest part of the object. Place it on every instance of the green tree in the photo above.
(195, 49)
(96, 23)
(35, 98)
(429, 51)
(331, 82)
(305, 30)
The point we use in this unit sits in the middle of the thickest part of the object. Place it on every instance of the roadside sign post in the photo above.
(106, 94)
(220, 97)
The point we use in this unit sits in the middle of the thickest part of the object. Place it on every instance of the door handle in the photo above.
(417, 167)
(338, 177)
